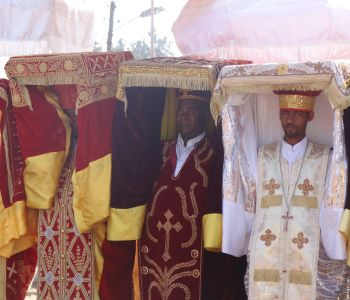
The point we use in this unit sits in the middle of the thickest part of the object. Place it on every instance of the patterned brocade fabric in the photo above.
(66, 257)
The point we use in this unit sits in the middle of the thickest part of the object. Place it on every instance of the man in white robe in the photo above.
(287, 257)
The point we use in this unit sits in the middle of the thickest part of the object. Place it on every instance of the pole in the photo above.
(153, 54)
(110, 29)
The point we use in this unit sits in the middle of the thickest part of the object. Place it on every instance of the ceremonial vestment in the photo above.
(287, 258)
(173, 261)
(66, 257)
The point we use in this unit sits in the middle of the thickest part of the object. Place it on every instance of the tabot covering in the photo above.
(45, 136)
(238, 84)
(18, 224)
(264, 30)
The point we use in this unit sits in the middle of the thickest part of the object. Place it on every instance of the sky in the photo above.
(130, 27)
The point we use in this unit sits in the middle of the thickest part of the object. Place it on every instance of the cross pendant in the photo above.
(287, 218)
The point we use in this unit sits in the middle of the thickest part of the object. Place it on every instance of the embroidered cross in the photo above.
(287, 218)
(300, 240)
(268, 237)
(272, 186)
(12, 270)
(167, 226)
(306, 187)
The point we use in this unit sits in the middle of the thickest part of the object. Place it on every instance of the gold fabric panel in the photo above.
(266, 275)
(100, 234)
(125, 224)
(95, 181)
(344, 229)
(212, 232)
(297, 277)
(271, 200)
(168, 129)
(305, 201)
(2, 277)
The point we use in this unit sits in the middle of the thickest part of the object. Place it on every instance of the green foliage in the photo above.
(142, 49)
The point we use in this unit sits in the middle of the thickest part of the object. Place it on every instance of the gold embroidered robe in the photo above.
(284, 263)
(66, 257)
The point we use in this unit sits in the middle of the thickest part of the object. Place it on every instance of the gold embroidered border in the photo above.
(297, 277)
(3, 270)
(271, 200)
(3, 94)
(305, 201)
(266, 275)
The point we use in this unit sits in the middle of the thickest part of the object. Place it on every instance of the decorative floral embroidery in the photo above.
(300, 240)
(306, 187)
(272, 186)
(282, 69)
(268, 237)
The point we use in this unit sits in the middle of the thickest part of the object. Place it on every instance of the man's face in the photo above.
(294, 123)
(190, 118)
(72, 122)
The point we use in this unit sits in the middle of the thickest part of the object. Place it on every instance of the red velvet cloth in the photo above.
(116, 280)
(136, 146)
(40, 130)
(346, 121)
(20, 270)
(171, 247)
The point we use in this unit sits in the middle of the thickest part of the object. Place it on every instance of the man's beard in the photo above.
(293, 134)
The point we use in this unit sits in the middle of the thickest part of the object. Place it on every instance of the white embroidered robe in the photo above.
(284, 263)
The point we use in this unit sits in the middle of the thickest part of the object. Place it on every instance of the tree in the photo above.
(142, 49)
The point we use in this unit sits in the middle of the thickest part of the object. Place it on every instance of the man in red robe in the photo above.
(183, 217)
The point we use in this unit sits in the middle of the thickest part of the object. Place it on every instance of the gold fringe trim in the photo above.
(241, 85)
(297, 277)
(271, 200)
(266, 275)
(46, 80)
(305, 201)
(3, 271)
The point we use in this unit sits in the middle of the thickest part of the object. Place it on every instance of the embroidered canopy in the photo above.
(264, 30)
(44, 131)
(249, 110)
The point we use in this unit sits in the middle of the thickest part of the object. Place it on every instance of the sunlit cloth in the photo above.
(45, 26)
(264, 30)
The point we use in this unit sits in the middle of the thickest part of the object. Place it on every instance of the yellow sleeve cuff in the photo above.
(344, 229)
(125, 224)
(212, 232)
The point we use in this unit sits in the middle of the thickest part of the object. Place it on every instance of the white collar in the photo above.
(301, 146)
(191, 142)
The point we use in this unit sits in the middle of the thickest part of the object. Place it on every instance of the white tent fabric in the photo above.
(264, 30)
(45, 26)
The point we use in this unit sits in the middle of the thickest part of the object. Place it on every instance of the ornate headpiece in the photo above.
(297, 100)
(193, 94)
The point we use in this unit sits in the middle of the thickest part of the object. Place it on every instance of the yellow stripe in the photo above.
(297, 277)
(41, 177)
(212, 232)
(100, 234)
(125, 224)
(344, 229)
(3, 278)
(271, 200)
(92, 193)
(305, 201)
(266, 275)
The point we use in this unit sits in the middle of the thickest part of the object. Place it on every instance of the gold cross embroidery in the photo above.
(306, 187)
(272, 186)
(300, 240)
(167, 226)
(268, 237)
